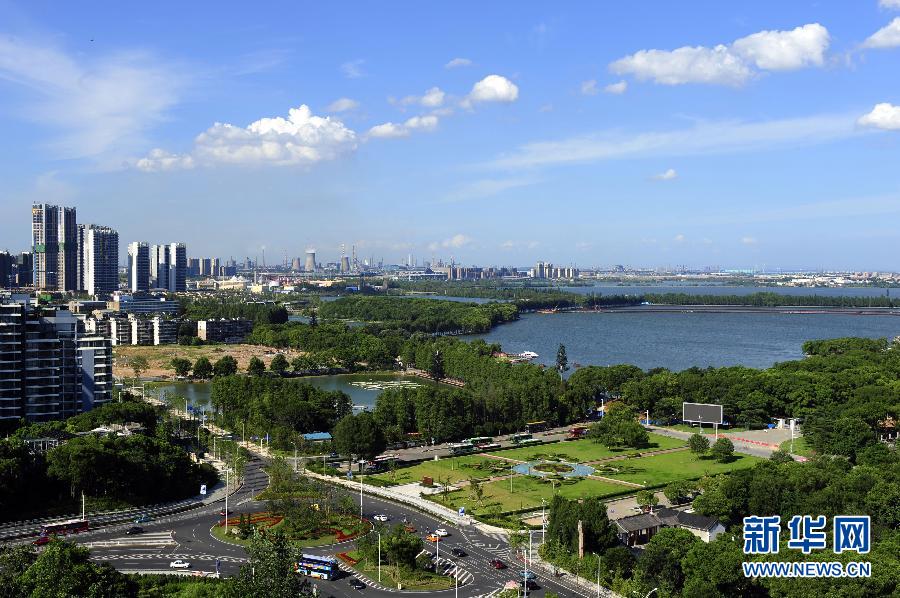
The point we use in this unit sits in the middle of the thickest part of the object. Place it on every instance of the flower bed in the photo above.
(347, 559)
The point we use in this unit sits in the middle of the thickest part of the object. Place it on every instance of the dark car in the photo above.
(356, 584)
(498, 564)
(530, 584)
(131, 531)
(42, 540)
(459, 552)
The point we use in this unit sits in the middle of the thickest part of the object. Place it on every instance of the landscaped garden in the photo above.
(656, 470)
(585, 449)
(404, 563)
(452, 468)
(319, 531)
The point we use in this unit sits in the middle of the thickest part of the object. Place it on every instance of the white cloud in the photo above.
(785, 50)
(159, 160)
(493, 88)
(886, 37)
(748, 240)
(94, 107)
(679, 238)
(731, 64)
(617, 88)
(352, 69)
(432, 98)
(423, 123)
(889, 3)
(342, 105)
(668, 175)
(882, 116)
(394, 130)
(685, 65)
(454, 242)
(458, 62)
(589, 88)
(703, 138)
(300, 139)
(388, 130)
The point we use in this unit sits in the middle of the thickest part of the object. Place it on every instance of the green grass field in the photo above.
(662, 469)
(801, 447)
(455, 468)
(706, 429)
(583, 450)
(527, 492)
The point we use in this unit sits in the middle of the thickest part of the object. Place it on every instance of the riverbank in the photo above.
(744, 309)
(159, 357)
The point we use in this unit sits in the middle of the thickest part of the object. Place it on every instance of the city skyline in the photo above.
(743, 138)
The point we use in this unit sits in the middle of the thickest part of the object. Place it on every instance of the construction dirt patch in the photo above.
(160, 357)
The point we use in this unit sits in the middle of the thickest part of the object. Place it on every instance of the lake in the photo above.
(725, 289)
(680, 340)
(362, 388)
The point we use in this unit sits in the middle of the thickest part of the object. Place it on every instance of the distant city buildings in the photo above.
(142, 303)
(54, 242)
(548, 270)
(168, 267)
(233, 330)
(138, 267)
(99, 263)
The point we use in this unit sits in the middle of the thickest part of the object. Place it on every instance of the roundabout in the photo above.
(546, 468)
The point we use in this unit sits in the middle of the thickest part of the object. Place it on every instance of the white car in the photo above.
(441, 533)
(380, 517)
(179, 564)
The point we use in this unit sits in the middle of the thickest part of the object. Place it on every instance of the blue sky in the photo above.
(654, 133)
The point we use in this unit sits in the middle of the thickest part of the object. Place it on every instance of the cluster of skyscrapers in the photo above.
(157, 267)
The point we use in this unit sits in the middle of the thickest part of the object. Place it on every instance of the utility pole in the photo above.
(379, 556)
(83, 506)
(226, 501)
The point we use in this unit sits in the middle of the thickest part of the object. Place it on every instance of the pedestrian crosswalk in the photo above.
(369, 582)
(451, 569)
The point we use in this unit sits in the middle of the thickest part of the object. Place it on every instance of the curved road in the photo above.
(187, 536)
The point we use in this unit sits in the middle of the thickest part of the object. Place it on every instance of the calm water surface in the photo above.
(681, 340)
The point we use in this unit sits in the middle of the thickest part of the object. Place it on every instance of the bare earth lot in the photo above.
(159, 357)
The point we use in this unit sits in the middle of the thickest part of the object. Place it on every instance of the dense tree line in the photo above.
(283, 408)
(111, 470)
(232, 306)
(420, 315)
(333, 345)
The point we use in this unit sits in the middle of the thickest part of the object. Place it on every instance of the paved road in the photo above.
(187, 536)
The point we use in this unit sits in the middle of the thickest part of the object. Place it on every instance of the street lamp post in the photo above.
(226, 501)
(598, 576)
(379, 556)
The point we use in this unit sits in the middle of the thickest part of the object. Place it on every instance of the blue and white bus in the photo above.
(320, 567)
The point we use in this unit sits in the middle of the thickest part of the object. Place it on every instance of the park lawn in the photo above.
(707, 429)
(801, 447)
(662, 469)
(585, 449)
(527, 492)
(413, 581)
(455, 468)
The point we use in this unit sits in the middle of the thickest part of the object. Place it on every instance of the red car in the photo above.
(42, 540)
(498, 564)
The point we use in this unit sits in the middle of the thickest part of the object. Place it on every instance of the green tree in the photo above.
(313, 319)
(722, 450)
(619, 427)
(203, 369)
(358, 436)
(699, 444)
(181, 366)
(63, 570)
(646, 498)
(677, 490)
(269, 571)
(562, 360)
(279, 364)
(780, 456)
(714, 569)
(225, 366)
(138, 365)
(256, 367)
(660, 564)
(477, 491)
(436, 366)
(401, 547)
